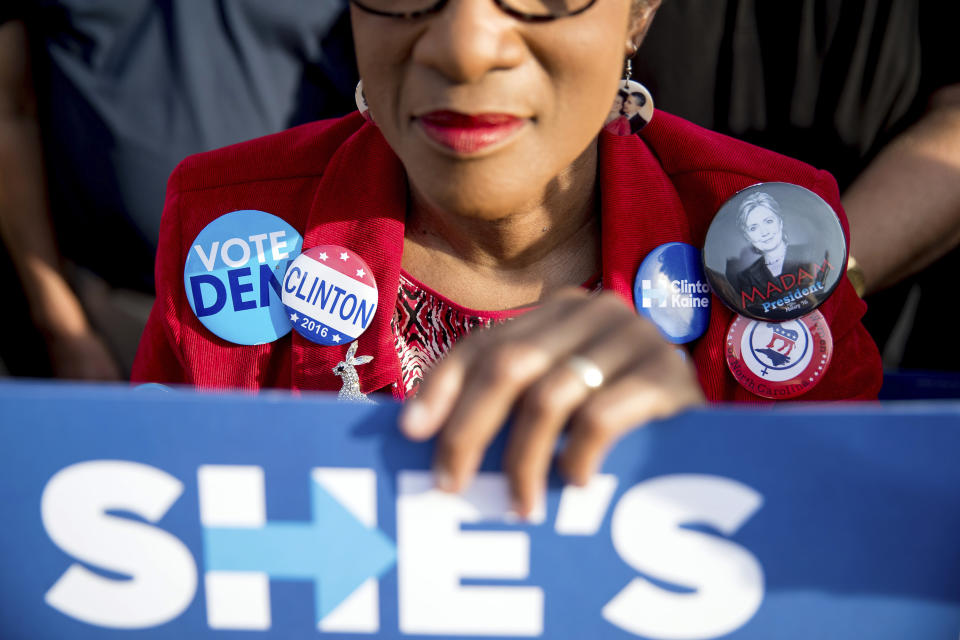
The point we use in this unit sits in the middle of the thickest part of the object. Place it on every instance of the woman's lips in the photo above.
(466, 134)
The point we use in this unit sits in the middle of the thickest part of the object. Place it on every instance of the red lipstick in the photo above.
(469, 133)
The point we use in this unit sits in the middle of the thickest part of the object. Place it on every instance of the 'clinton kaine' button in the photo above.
(774, 251)
(672, 292)
(233, 272)
(330, 295)
(779, 360)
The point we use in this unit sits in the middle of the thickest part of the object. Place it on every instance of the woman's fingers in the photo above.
(482, 359)
(482, 406)
(499, 369)
(546, 406)
(654, 388)
(525, 368)
(540, 417)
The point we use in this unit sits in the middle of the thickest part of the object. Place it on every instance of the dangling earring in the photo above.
(639, 94)
(617, 122)
(362, 105)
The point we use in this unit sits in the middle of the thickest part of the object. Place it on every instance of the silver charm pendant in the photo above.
(351, 381)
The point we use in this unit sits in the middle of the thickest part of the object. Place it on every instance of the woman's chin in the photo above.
(478, 190)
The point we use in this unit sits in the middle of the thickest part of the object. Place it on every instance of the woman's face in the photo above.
(631, 106)
(764, 229)
(486, 112)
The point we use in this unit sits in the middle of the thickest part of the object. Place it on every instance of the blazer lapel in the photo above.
(640, 209)
(360, 204)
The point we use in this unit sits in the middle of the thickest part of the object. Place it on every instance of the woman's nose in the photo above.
(468, 39)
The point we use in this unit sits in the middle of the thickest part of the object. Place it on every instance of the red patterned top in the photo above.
(426, 325)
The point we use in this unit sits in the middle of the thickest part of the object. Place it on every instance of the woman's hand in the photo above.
(537, 366)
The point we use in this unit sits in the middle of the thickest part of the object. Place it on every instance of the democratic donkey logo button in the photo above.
(233, 273)
(330, 295)
(779, 360)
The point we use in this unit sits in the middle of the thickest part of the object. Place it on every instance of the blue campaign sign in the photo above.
(160, 515)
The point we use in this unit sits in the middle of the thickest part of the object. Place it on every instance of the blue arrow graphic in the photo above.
(335, 551)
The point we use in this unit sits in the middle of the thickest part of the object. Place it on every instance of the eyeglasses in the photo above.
(526, 10)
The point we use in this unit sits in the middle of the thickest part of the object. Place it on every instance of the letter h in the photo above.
(339, 550)
(651, 293)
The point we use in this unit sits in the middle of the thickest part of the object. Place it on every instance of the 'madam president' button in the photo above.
(233, 273)
(774, 251)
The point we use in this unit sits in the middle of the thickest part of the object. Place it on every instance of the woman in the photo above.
(761, 222)
(617, 123)
(485, 183)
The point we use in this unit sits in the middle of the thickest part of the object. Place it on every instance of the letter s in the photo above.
(163, 573)
(727, 580)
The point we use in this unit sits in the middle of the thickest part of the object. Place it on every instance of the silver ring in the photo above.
(589, 373)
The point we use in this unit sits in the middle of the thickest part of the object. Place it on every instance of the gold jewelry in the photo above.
(855, 275)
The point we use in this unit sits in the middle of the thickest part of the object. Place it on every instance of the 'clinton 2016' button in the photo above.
(774, 251)
(330, 295)
(233, 272)
(671, 291)
(779, 360)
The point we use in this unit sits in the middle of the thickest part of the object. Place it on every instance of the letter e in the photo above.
(434, 554)
(277, 245)
(237, 289)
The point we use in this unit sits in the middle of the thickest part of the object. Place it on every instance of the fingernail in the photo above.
(415, 420)
(443, 481)
(518, 513)
(579, 479)
(539, 511)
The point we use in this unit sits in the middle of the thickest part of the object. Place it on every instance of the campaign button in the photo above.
(774, 251)
(671, 290)
(779, 360)
(233, 273)
(330, 295)
(152, 386)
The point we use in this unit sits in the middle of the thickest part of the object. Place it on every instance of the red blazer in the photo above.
(337, 182)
